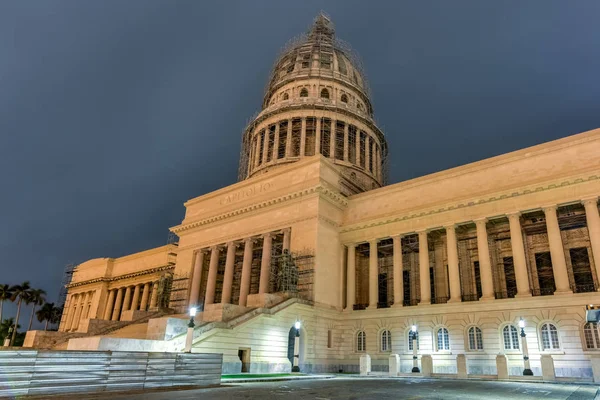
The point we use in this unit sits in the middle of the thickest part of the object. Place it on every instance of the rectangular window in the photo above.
(329, 339)
(363, 144)
(309, 149)
(339, 141)
(262, 146)
(271, 142)
(296, 132)
(325, 136)
(282, 139)
(352, 144)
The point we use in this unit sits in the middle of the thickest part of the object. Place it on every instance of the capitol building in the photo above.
(312, 242)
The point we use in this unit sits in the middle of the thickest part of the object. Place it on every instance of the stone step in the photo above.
(134, 331)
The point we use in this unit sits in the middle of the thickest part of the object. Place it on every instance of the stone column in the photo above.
(424, 279)
(593, 224)
(453, 271)
(373, 275)
(154, 297)
(276, 143)
(557, 253)
(80, 304)
(286, 238)
(257, 153)
(518, 253)
(211, 282)
(398, 268)
(109, 305)
(367, 155)
(127, 300)
(72, 311)
(118, 304)
(265, 146)
(485, 264)
(196, 278)
(357, 144)
(136, 298)
(288, 139)
(346, 147)
(145, 296)
(303, 137)
(246, 272)
(265, 264)
(332, 137)
(228, 276)
(351, 277)
(318, 136)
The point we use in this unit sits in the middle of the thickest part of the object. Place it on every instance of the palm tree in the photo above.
(56, 315)
(19, 293)
(35, 297)
(5, 294)
(5, 327)
(46, 314)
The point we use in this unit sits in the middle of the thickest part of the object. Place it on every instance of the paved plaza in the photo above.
(357, 388)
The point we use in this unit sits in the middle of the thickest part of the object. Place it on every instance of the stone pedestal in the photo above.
(132, 315)
(596, 367)
(166, 328)
(502, 366)
(264, 300)
(222, 312)
(394, 365)
(365, 364)
(461, 366)
(548, 373)
(426, 365)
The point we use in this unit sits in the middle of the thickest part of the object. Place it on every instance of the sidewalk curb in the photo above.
(277, 379)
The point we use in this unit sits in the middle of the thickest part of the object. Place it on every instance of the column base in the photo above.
(561, 292)
(222, 312)
(424, 303)
(373, 307)
(397, 305)
(487, 298)
(521, 295)
(265, 300)
(454, 301)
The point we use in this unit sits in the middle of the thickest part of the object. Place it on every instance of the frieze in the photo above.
(469, 204)
(120, 277)
(246, 193)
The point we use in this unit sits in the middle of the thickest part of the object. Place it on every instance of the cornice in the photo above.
(331, 195)
(121, 277)
(551, 186)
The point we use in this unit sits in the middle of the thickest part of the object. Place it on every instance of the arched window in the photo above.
(549, 337)
(286, 96)
(304, 93)
(386, 340)
(361, 341)
(510, 336)
(591, 336)
(324, 93)
(475, 339)
(410, 342)
(344, 98)
(443, 340)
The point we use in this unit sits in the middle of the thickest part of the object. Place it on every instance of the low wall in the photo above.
(41, 372)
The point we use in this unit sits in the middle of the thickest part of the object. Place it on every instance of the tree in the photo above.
(19, 293)
(5, 294)
(35, 297)
(56, 315)
(5, 328)
(46, 313)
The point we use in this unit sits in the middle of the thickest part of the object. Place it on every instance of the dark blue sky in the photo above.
(113, 113)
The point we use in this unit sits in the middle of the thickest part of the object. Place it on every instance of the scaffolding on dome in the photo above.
(313, 54)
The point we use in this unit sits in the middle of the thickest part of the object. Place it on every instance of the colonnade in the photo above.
(260, 151)
(226, 294)
(79, 308)
(128, 298)
(557, 255)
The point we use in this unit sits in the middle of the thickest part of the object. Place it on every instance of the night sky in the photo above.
(113, 113)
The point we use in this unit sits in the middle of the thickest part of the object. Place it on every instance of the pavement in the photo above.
(372, 388)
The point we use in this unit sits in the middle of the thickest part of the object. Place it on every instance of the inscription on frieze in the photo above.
(246, 193)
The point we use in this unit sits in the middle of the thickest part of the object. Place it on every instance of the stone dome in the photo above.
(318, 53)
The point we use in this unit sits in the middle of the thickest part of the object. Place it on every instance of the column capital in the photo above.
(450, 226)
(373, 241)
(286, 230)
(514, 214)
(230, 243)
(267, 235)
(590, 201)
(352, 245)
(397, 238)
(550, 207)
(214, 247)
(482, 220)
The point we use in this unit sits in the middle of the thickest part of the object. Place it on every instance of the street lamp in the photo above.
(190, 331)
(413, 338)
(526, 365)
(296, 366)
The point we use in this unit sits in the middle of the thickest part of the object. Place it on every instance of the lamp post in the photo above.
(190, 331)
(413, 338)
(296, 366)
(526, 365)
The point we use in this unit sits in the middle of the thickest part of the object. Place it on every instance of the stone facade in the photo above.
(463, 254)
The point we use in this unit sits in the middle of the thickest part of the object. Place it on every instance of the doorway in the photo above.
(244, 355)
